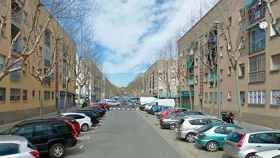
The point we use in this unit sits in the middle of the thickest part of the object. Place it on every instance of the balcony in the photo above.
(255, 77)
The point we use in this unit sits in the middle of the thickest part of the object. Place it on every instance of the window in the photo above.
(257, 40)
(61, 128)
(52, 95)
(2, 94)
(199, 122)
(256, 97)
(242, 98)
(215, 97)
(14, 94)
(42, 130)
(33, 94)
(8, 149)
(257, 69)
(76, 116)
(26, 131)
(275, 97)
(263, 138)
(2, 62)
(275, 62)
(47, 95)
(47, 47)
(220, 130)
(241, 71)
(256, 12)
(205, 97)
(24, 94)
(210, 97)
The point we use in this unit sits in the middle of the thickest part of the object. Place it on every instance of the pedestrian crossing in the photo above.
(123, 109)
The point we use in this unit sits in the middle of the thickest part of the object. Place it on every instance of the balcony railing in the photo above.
(255, 77)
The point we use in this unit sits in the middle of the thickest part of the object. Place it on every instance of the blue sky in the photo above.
(130, 34)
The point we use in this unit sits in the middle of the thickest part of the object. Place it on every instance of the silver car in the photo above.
(269, 154)
(244, 144)
(187, 127)
(16, 147)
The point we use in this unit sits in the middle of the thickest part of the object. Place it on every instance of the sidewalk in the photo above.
(8, 125)
(252, 126)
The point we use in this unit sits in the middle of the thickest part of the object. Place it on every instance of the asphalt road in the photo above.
(123, 134)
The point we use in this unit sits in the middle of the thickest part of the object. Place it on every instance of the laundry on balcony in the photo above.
(190, 64)
(190, 80)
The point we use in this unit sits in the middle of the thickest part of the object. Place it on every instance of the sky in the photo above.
(130, 34)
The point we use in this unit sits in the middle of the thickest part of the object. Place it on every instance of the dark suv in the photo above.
(50, 136)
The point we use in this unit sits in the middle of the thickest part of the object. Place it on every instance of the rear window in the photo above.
(204, 128)
(193, 113)
(62, 128)
(8, 149)
(234, 137)
(198, 122)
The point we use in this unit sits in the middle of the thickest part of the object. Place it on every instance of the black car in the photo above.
(91, 114)
(99, 111)
(50, 136)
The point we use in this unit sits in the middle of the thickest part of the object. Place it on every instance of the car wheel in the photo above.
(85, 127)
(212, 146)
(190, 138)
(251, 155)
(56, 150)
(172, 126)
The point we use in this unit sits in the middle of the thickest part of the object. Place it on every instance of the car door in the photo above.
(41, 137)
(9, 150)
(262, 141)
(276, 145)
(25, 131)
(220, 134)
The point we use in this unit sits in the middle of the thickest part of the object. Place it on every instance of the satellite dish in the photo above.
(263, 25)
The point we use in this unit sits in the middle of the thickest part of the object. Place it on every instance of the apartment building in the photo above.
(229, 61)
(160, 80)
(21, 93)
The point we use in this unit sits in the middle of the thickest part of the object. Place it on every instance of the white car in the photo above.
(269, 154)
(82, 119)
(16, 147)
(187, 127)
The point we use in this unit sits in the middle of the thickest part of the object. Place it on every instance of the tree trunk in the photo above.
(79, 96)
(237, 89)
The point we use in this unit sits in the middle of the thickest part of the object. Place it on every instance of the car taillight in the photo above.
(74, 132)
(35, 154)
(241, 141)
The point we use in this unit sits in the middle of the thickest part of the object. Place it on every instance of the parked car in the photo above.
(91, 114)
(187, 128)
(50, 136)
(269, 154)
(75, 125)
(17, 147)
(100, 112)
(212, 137)
(84, 121)
(174, 117)
(245, 144)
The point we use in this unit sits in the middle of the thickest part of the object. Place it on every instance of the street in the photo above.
(124, 134)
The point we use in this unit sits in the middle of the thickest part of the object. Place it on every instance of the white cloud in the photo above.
(136, 30)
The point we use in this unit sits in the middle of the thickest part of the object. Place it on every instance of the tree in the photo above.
(15, 60)
(82, 73)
